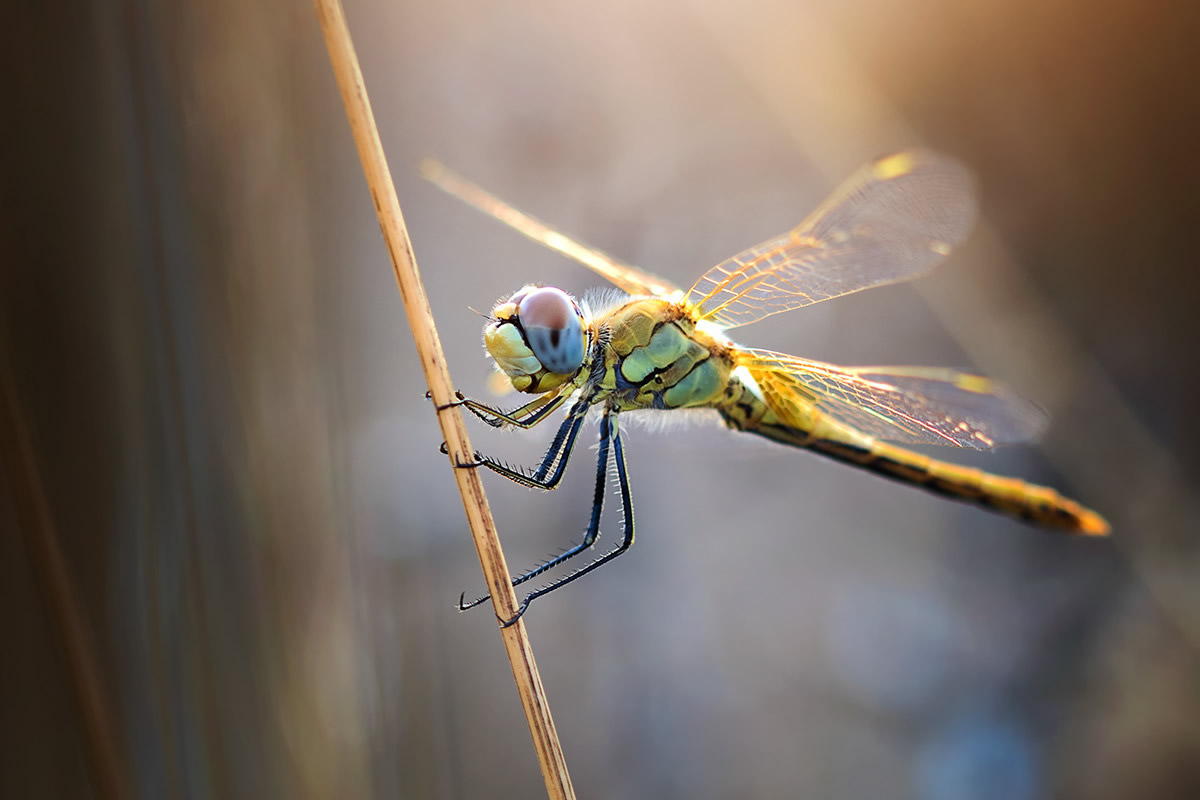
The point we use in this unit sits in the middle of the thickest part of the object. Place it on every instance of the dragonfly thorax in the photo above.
(537, 338)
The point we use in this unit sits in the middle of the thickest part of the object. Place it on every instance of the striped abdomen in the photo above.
(1038, 505)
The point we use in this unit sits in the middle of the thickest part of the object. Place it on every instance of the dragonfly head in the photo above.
(537, 337)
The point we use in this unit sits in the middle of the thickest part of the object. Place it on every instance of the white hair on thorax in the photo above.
(598, 301)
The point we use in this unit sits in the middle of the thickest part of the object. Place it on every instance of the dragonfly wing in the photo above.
(894, 219)
(624, 276)
(914, 405)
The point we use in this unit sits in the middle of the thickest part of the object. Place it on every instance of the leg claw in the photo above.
(444, 449)
(508, 623)
(460, 401)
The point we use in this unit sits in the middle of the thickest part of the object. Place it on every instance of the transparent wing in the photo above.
(916, 405)
(894, 219)
(624, 276)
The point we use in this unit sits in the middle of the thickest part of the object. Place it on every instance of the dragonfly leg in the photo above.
(535, 478)
(460, 401)
(549, 472)
(525, 417)
(478, 462)
(589, 538)
(608, 430)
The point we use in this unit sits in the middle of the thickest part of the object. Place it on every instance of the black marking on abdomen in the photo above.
(956, 490)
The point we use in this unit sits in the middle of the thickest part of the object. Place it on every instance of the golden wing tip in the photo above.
(894, 166)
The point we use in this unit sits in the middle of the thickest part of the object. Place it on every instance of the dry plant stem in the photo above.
(429, 348)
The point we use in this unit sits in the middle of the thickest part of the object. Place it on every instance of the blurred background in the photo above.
(202, 345)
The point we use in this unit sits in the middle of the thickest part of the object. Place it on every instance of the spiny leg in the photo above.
(593, 529)
(526, 416)
(609, 425)
(608, 430)
(556, 458)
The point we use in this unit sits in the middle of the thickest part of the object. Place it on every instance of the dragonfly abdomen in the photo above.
(1038, 505)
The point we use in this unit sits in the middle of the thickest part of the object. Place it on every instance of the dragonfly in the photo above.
(663, 348)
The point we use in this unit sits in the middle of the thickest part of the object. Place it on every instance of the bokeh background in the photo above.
(212, 366)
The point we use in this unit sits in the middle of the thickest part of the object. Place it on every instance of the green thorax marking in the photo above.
(654, 357)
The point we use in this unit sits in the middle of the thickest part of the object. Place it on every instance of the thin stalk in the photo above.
(487, 543)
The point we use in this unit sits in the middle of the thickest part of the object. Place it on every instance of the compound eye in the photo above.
(553, 327)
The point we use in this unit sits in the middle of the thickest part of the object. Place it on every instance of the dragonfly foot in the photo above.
(478, 462)
(508, 623)
(504, 623)
(463, 606)
(462, 399)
